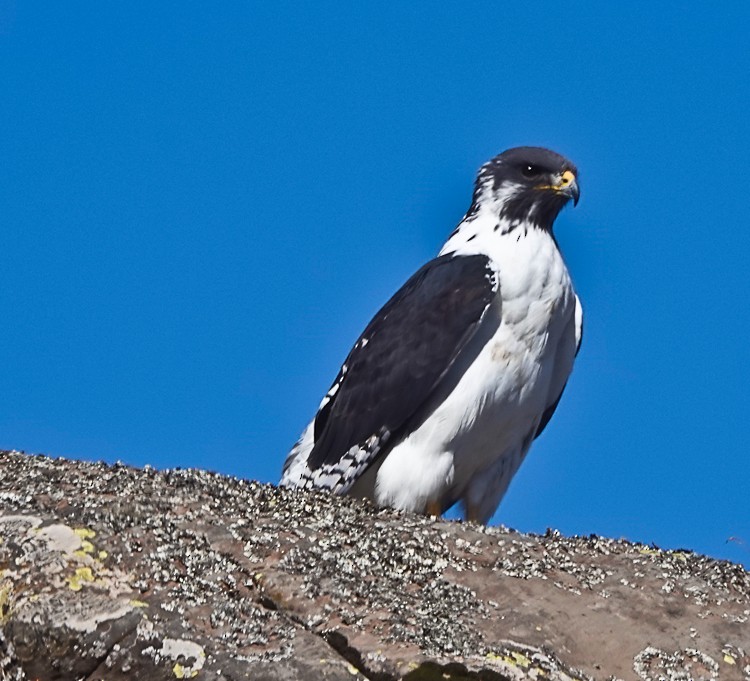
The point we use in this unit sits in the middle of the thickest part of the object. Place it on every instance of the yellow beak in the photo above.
(568, 186)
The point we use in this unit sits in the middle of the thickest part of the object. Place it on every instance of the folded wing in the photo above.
(395, 366)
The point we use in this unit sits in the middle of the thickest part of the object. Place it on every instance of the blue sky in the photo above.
(203, 205)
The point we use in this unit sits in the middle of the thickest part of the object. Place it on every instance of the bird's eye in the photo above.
(529, 170)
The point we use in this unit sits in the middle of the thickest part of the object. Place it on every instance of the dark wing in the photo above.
(547, 415)
(549, 411)
(396, 363)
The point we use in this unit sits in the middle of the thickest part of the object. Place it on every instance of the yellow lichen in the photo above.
(87, 548)
(183, 672)
(138, 604)
(729, 659)
(82, 574)
(5, 593)
(520, 659)
(649, 551)
(85, 532)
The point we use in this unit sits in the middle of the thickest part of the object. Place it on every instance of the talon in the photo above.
(433, 508)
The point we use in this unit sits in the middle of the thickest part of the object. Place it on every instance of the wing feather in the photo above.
(396, 364)
(550, 410)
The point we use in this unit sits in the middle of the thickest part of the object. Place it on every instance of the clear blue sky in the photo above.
(201, 205)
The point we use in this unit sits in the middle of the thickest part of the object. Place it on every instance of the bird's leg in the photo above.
(471, 513)
(433, 508)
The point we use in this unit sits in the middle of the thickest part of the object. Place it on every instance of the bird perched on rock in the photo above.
(443, 393)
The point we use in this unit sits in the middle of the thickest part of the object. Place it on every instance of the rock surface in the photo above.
(109, 572)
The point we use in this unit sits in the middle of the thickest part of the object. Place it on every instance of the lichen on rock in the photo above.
(110, 572)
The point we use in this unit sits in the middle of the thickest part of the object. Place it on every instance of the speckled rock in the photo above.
(109, 572)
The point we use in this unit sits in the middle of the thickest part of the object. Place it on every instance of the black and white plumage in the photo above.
(443, 393)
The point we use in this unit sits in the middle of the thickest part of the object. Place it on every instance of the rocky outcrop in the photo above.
(109, 572)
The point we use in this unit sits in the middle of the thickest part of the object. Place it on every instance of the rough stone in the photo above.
(110, 572)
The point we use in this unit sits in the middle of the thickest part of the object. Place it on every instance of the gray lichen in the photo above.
(116, 573)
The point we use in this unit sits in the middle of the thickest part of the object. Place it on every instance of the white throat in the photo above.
(482, 229)
(485, 233)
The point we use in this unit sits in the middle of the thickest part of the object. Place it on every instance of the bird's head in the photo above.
(526, 184)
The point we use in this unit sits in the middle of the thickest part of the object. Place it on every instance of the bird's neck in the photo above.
(484, 232)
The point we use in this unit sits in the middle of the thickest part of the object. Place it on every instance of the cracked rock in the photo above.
(110, 572)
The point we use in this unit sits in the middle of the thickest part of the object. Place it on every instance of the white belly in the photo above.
(478, 427)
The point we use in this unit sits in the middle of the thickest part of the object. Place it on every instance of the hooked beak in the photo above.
(568, 186)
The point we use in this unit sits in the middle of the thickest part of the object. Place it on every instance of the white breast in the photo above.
(479, 425)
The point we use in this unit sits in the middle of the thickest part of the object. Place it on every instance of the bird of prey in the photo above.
(442, 395)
